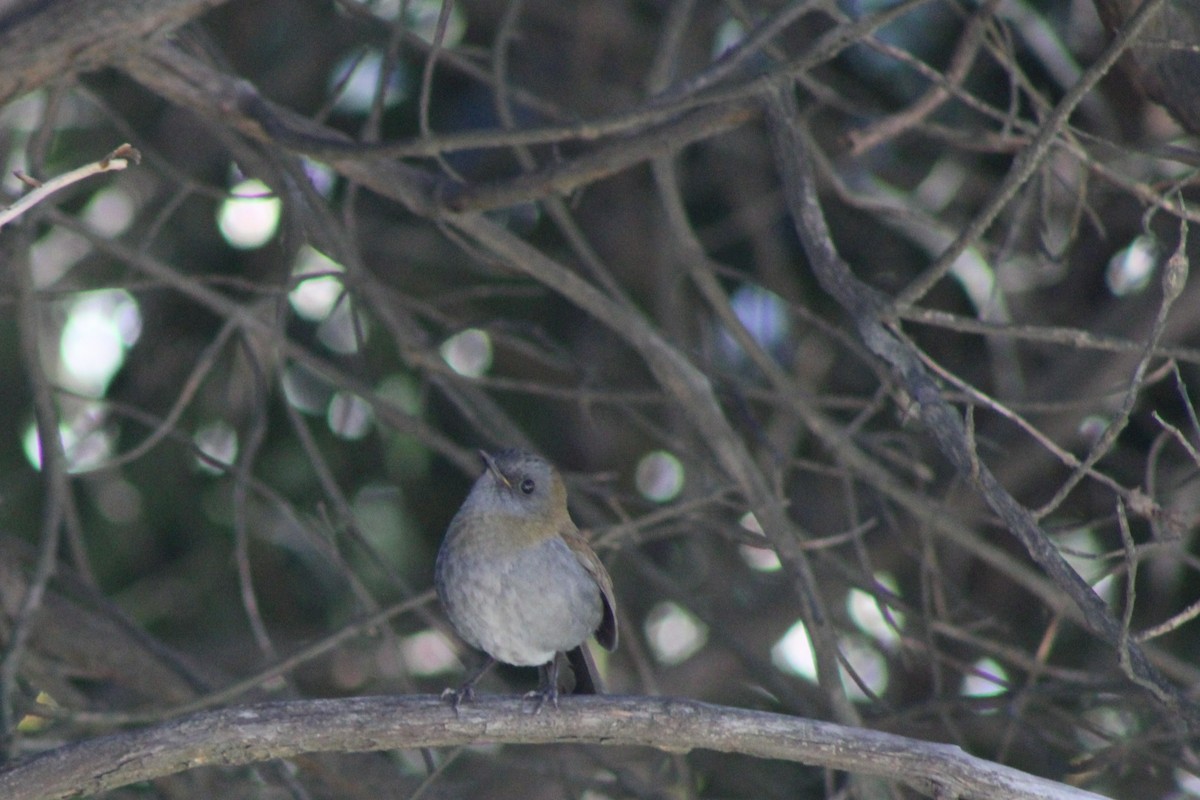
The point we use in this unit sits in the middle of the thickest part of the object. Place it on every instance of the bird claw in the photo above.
(542, 695)
(456, 697)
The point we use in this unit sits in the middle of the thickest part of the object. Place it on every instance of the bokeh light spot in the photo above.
(422, 19)
(427, 653)
(864, 610)
(1130, 270)
(345, 330)
(85, 443)
(306, 390)
(794, 653)
(659, 476)
(249, 218)
(109, 212)
(1188, 782)
(1092, 427)
(53, 255)
(764, 316)
(674, 633)
(469, 353)
(349, 416)
(729, 34)
(358, 77)
(869, 665)
(986, 679)
(762, 558)
(100, 326)
(314, 297)
(219, 442)
(321, 176)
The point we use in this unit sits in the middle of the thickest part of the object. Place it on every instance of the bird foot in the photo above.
(542, 696)
(456, 697)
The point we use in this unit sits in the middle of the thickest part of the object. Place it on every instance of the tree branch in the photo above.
(40, 42)
(281, 730)
(869, 309)
(116, 160)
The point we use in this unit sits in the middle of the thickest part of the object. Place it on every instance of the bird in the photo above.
(519, 582)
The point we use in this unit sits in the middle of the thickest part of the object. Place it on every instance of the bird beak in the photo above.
(490, 463)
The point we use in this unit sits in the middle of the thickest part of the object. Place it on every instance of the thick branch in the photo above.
(40, 42)
(282, 730)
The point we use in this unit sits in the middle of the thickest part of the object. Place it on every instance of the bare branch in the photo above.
(44, 41)
(868, 309)
(282, 730)
(118, 159)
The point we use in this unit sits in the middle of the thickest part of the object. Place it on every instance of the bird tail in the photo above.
(587, 677)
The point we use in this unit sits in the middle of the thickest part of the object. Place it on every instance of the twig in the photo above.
(1187, 615)
(118, 159)
(1174, 278)
(1178, 436)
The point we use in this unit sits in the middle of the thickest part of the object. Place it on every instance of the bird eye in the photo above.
(527, 486)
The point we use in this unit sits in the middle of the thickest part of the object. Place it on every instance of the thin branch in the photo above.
(1165, 627)
(118, 159)
(1031, 157)
(57, 497)
(1074, 338)
(1174, 278)
(869, 308)
(888, 128)
(607, 160)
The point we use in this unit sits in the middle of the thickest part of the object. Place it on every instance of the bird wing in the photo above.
(606, 632)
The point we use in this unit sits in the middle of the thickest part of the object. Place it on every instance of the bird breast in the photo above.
(520, 605)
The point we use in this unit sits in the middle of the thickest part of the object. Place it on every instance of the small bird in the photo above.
(519, 582)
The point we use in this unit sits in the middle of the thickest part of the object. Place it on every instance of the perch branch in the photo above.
(253, 734)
